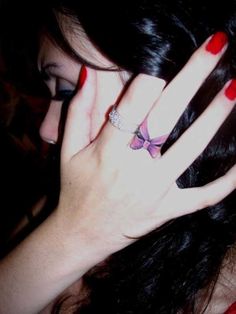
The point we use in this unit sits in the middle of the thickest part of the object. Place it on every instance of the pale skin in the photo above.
(102, 198)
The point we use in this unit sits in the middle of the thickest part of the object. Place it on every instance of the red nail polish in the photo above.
(82, 76)
(230, 91)
(217, 43)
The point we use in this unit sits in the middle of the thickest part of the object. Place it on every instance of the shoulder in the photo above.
(220, 297)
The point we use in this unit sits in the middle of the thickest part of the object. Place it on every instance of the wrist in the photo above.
(81, 247)
(49, 260)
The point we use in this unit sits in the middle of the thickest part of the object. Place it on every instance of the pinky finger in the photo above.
(215, 191)
(191, 200)
(179, 202)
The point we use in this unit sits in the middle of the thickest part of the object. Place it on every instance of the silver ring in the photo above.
(120, 122)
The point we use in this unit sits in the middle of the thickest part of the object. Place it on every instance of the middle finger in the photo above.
(177, 95)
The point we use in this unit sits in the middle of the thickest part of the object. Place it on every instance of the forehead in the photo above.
(50, 53)
(79, 42)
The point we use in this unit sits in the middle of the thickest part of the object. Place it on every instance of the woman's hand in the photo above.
(111, 193)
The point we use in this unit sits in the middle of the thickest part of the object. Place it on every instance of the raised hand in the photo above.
(112, 191)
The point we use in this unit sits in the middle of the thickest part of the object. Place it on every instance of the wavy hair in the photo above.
(164, 271)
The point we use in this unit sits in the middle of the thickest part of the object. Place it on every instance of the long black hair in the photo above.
(163, 271)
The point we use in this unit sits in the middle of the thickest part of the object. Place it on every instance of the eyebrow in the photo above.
(45, 70)
(50, 65)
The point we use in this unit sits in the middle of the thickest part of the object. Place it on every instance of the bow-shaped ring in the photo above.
(142, 140)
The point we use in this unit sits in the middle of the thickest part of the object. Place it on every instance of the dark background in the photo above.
(24, 176)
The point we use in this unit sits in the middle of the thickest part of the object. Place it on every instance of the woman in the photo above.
(119, 193)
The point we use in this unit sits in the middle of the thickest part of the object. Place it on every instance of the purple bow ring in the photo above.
(142, 140)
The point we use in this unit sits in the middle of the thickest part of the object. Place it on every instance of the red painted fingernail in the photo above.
(230, 91)
(217, 43)
(82, 76)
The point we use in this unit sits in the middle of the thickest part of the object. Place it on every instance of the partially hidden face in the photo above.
(61, 74)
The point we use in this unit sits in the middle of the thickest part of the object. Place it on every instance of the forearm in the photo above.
(42, 266)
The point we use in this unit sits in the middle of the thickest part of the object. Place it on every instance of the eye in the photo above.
(64, 90)
(62, 95)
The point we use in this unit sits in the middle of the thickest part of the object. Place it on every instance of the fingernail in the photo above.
(217, 43)
(230, 91)
(82, 76)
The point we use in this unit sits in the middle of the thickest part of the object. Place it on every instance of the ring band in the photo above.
(120, 122)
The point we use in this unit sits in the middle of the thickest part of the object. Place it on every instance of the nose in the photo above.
(49, 127)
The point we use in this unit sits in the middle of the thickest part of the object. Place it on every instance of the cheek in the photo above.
(49, 127)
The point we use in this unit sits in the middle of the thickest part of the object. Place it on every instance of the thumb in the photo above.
(77, 127)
